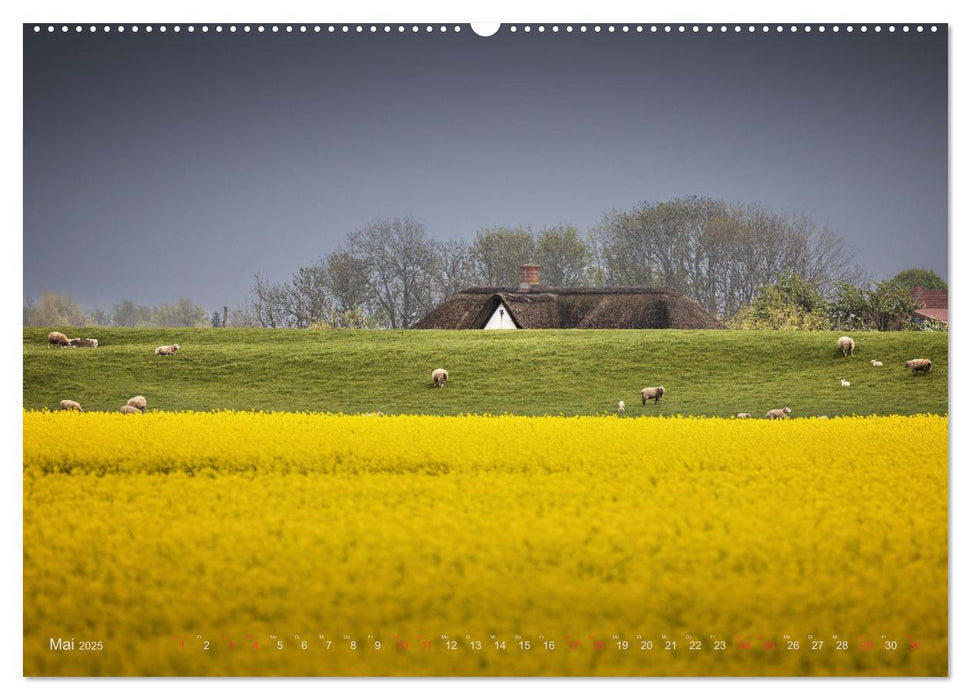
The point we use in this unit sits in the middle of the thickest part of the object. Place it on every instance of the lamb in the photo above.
(167, 349)
(743, 415)
(778, 413)
(846, 345)
(651, 392)
(129, 409)
(876, 363)
(84, 343)
(68, 405)
(439, 377)
(138, 403)
(844, 383)
(621, 407)
(58, 339)
(919, 365)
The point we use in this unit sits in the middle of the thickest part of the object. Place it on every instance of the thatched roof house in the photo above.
(534, 306)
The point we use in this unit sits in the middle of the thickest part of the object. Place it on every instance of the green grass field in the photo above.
(714, 373)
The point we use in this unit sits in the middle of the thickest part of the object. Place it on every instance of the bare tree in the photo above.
(54, 310)
(453, 269)
(719, 253)
(129, 314)
(563, 257)
(307, 296)
(100, 317)
(184, 313)
(400, 265)
(345, 277)
(244, 315)
(498, 252)
(272, 304)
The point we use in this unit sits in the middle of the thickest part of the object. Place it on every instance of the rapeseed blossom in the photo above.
(258, 532)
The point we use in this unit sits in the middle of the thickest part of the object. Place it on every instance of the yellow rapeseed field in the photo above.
(225, 543)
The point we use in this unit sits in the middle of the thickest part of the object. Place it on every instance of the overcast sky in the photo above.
(166, 165)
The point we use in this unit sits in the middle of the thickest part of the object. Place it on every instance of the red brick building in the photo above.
(933, 306)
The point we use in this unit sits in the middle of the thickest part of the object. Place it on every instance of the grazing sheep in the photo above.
(844, 383)
(846, 345)
(58, 339)
(742, 415)
(823, 417)
(651, 392)
(138, 403)
(439, 377)
(778, 413)
(167, 349)
(919, 365)
(84, 343)
(73, 342)
(876, 363)
(621, 407)
(129, 409)
(68, 405)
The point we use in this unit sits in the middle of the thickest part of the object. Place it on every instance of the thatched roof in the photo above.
(572, 307)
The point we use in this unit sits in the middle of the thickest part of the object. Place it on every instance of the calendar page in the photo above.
(398, 349)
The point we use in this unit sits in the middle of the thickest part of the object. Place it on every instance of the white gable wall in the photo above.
(501, 319)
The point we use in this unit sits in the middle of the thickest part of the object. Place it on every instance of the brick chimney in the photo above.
(528, 277)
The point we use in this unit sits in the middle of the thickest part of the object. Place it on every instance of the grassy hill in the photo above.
(525, 372)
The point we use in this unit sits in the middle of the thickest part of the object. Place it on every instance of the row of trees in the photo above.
(718, 253)
(391, 273)
(61, 310)
(795, 303)
(739, 261)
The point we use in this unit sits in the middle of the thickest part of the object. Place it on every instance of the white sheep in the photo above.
(651, 392)
(778, 413)
(876, 363)
(129, 409)
(743, 415)
(844, 383)
(138, 403)
(846, 345)
(621, 407)
(58, 339)
(918, 365)
(68, 405)
(439, 377)
(167, 349)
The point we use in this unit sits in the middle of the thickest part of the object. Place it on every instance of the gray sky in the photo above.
(166, 165)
